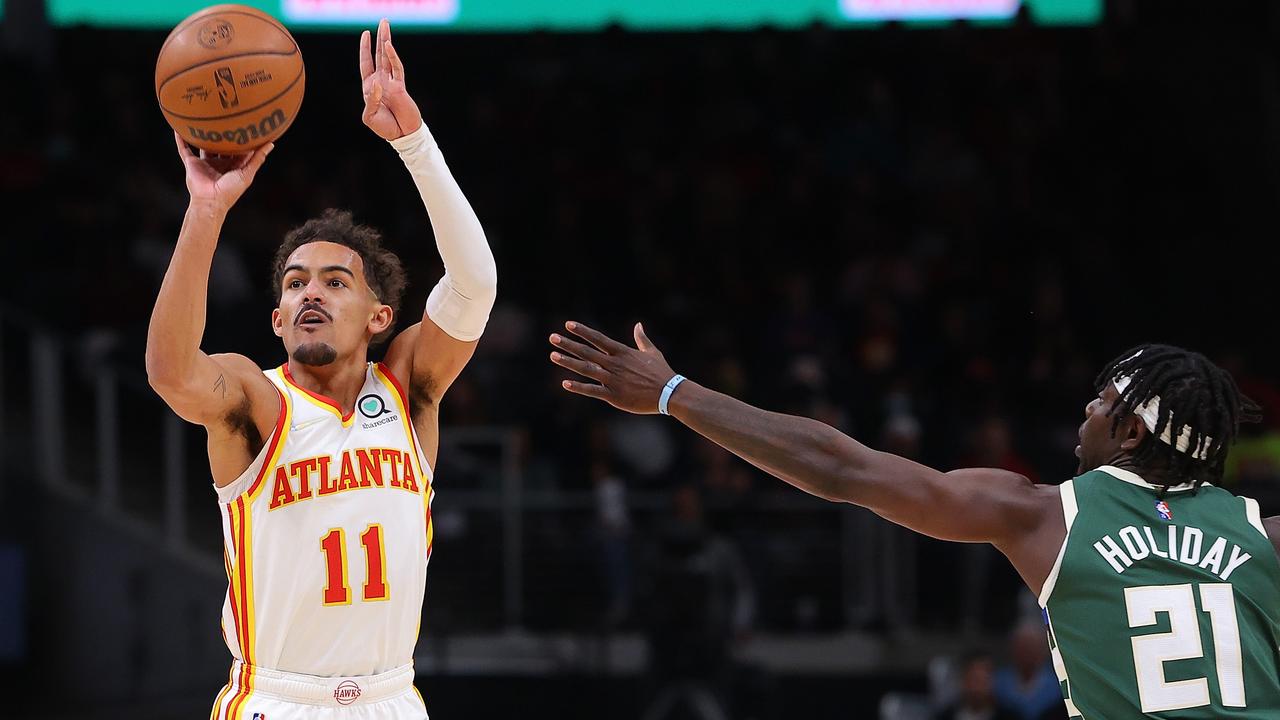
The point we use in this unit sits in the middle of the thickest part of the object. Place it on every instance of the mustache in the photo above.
(311, 306)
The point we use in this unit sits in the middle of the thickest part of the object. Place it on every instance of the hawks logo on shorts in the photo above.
(347, 693)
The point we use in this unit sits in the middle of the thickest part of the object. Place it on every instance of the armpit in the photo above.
(239, 420)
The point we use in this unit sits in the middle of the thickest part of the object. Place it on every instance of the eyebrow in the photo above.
(325, 269)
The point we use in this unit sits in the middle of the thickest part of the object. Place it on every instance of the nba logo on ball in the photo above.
(226, 83)
(1162, 509)
(346, 693)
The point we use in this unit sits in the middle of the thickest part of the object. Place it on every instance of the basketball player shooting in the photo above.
(1137, 562)
(323, 465)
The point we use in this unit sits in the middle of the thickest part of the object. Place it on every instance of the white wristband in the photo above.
(669, 388)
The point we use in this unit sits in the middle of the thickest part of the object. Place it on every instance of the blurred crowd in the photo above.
(931, 240)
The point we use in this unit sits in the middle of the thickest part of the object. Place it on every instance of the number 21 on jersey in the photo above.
(1183, 642)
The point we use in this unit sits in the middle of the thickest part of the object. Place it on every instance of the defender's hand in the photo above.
(220, 179)
(388, 109)
(629, 379)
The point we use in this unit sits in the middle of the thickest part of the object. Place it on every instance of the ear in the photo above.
(381, 320)
(1134, 431)
(277, 322)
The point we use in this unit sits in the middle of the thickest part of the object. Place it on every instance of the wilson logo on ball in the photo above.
(241, 135)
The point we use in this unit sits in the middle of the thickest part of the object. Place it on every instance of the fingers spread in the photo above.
(255, 161)
(589, 389)
(384, 36)
(595, 337)
(642, 340)
(366, 59)
(184, 152)
(582, 367)
(397, 67)
(574, 347)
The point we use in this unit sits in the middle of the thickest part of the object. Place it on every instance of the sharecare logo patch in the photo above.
(370, 11)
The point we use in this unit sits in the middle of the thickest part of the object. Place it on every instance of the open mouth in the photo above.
(311, 318)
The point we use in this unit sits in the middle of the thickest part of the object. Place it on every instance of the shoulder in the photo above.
(1272, 526)
(1015, 488)
(399, 357)
(1090, 478)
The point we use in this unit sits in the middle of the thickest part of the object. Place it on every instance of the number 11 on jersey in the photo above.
(337, 591)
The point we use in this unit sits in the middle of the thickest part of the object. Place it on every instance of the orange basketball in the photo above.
(229, 79)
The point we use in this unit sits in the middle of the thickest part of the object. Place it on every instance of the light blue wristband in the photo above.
(666, 393)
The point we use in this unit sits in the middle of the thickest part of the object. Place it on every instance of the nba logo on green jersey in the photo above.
(1162, 509)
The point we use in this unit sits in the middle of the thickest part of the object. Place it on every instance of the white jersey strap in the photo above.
(1067, 494)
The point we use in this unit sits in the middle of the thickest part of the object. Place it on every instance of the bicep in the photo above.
(970, 505)
(216, 386)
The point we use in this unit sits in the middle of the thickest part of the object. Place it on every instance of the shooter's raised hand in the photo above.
(220, 179)
(388, 109)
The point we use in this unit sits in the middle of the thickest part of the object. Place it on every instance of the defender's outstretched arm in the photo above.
(971, 505)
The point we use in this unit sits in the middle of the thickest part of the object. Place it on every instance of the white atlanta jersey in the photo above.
(327, 537)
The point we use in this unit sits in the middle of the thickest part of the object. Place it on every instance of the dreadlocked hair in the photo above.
(1199, 394)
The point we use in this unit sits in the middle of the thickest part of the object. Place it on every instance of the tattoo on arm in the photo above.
(221, 385)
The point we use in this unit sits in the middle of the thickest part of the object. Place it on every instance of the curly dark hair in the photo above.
(1194, 393)
(382, 269)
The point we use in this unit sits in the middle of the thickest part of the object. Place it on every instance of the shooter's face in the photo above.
(1098, 445)
(326, 309)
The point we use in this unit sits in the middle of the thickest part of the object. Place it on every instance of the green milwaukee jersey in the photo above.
(1163, 604)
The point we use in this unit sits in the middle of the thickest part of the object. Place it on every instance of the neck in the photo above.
(340, 380)
(1155, 476)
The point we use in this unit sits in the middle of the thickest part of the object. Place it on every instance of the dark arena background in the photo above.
(929, 234)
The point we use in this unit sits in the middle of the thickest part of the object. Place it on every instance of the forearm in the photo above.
(806, 453)
(824, 462)
(998, 506)
(178, 319)
(466, 293)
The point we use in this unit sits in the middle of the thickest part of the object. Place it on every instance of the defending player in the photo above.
(1161, 592)
(323, 465)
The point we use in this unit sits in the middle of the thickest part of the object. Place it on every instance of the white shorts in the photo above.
(255, 693)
